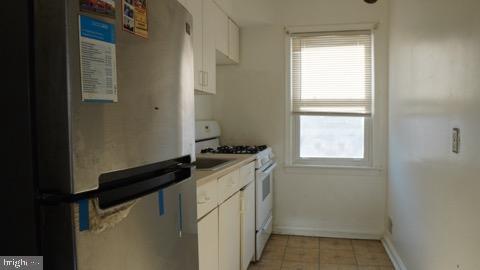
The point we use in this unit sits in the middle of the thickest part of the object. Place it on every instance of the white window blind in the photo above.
(331, 73)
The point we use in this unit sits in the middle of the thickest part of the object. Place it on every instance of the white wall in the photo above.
(250, 105)
(203, 107)
(434, 195)
(253, 12)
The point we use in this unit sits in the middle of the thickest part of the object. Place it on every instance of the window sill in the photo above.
(334, 170)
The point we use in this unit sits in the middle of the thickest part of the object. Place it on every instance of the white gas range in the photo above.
(208, 142)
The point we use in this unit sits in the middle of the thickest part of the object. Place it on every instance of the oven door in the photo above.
(264, 195)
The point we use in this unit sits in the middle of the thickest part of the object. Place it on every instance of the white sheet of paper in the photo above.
(98, 60)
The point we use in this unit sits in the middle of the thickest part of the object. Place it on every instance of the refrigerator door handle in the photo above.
(123, 186)
(124, 194)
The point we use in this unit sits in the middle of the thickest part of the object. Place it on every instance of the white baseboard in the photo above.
(393, 254)
(325, 233)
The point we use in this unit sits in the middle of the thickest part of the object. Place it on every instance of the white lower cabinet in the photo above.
(226, 235)
(247, 225)
(229, 233)
(208, 241)
(207, 198)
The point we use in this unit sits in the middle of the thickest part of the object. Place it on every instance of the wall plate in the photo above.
(456, 140)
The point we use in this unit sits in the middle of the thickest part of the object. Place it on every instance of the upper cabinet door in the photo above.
(196, 9)
(221, 29)
(209, 62)
(234, 41)
(215, 41)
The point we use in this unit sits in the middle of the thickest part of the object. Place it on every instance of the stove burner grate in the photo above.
(235, 149)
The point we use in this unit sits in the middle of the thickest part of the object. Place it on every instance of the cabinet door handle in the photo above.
(202, 78)
(206, 76)
(242, 205)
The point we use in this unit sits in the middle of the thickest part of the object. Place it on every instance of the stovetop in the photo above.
(235, 149)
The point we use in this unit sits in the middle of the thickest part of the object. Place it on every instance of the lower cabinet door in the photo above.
(229, 234)
(248, 225)
(208, 241)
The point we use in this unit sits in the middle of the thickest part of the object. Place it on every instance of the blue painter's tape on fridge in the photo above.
(161, 203)
(84, 216)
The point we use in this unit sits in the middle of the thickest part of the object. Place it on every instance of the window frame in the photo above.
(292, 152)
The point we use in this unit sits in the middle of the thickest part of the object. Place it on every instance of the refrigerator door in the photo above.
(144, 219)
(146, 239)
(153, 119)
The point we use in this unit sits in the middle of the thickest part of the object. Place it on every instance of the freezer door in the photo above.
(153, 232)
(152, 237)
(153, 119)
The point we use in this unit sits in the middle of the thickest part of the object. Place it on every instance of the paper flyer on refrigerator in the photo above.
(135, 18)
(98, 60)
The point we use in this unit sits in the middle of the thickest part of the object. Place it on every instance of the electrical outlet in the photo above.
(456, 140)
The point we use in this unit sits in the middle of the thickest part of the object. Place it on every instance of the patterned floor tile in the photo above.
(284, 252)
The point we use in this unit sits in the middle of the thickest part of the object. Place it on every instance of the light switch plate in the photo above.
(456, 140)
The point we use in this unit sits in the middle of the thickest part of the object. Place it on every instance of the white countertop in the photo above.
(203, 177)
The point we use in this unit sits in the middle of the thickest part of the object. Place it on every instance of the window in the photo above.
(331, 97)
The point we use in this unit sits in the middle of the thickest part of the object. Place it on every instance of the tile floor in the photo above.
(312, 253)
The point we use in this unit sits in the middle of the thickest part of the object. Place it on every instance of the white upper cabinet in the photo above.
(215, 40)
(209, 63)
(203, 44)
(196, 9)
(228, 43)
(232, 56)
(221, 29)
(234, 41)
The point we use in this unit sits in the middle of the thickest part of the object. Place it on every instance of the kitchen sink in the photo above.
(212, 164)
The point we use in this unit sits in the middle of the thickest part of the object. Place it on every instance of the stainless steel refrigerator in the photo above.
(115, 187)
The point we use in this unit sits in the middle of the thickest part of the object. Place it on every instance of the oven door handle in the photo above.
(268, 170)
